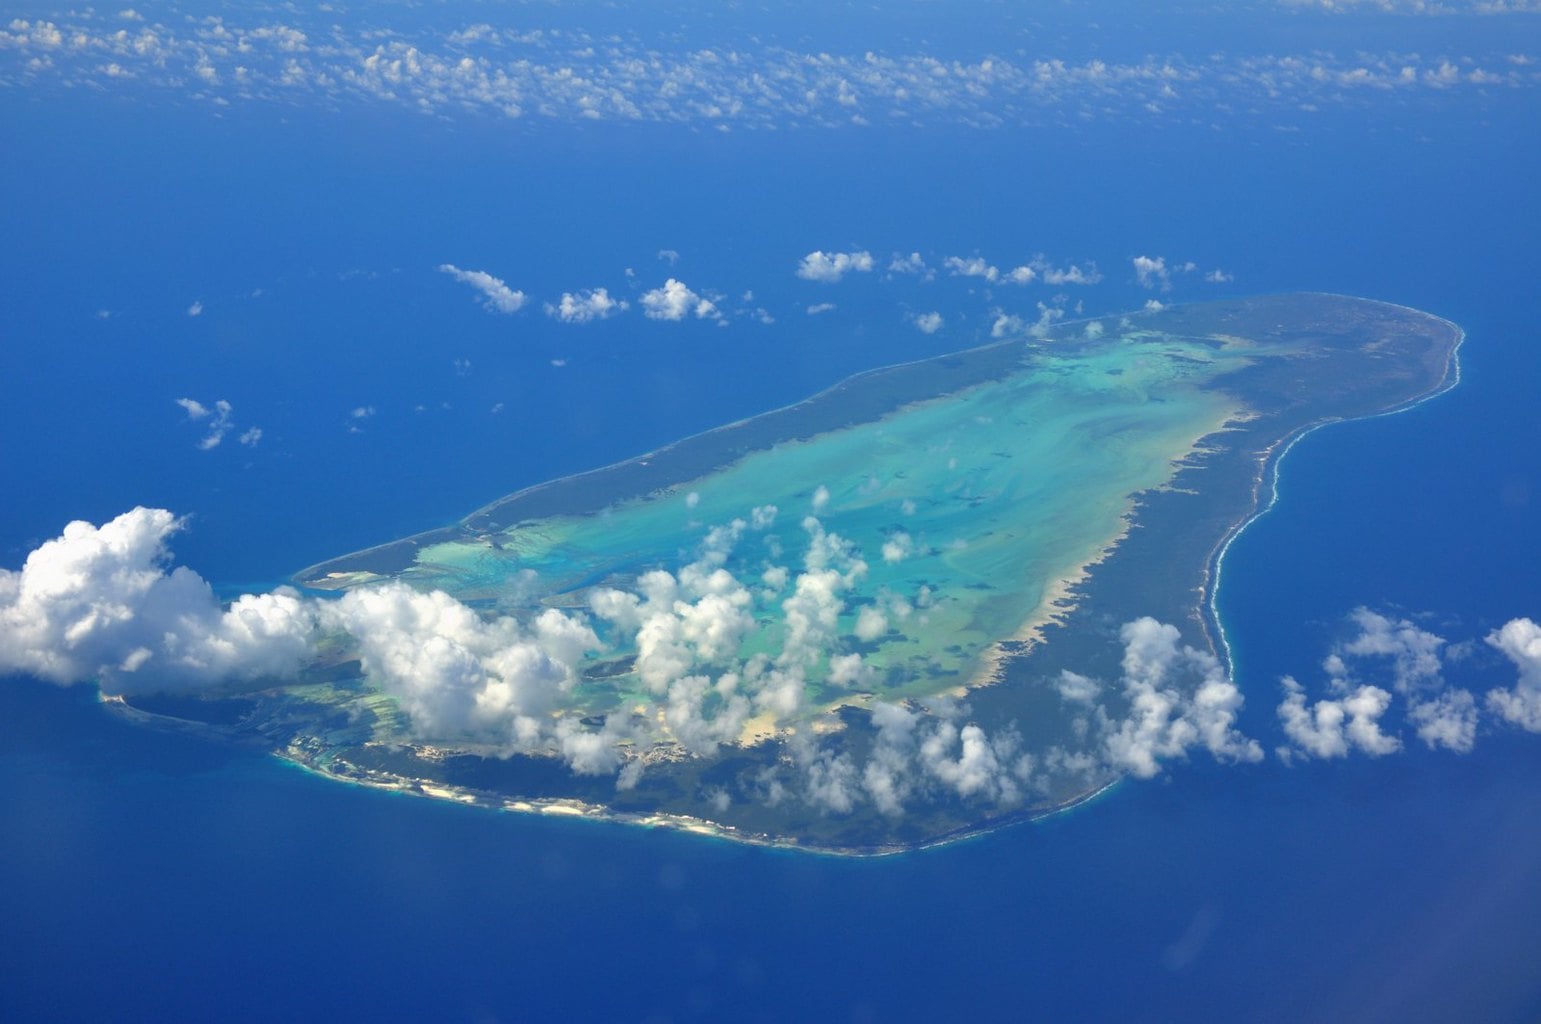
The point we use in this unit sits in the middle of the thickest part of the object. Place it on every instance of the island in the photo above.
(885, 617)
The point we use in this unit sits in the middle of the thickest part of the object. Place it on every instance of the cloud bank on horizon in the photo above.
(101, 604)
(576, 75)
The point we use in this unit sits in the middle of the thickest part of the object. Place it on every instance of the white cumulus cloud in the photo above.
(675, 301)
(99, 603)
(496, 296)
(1179, 698)
(456, 674)
(974, 266)
(218, 421)
(102, 604)
(830, 267)
(1331, 727)
(586, 307)
(1520, 642)
(914, 264)
(929, 323)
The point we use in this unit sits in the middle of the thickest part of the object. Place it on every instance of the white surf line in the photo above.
(1275, 462)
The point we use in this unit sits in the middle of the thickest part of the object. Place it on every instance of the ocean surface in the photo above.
(148, 876)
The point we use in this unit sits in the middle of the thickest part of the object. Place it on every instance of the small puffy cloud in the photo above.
(1006, 325)
(1048, 316)
(1331, 727)
(1413, 652)
(219, 420)
(820, 307)
(971, 267)
(1171, 699)
(1039, 269)
(1409, 660)
(1158, 272)
(196, 309)
(911, 264)
(1076, 688)
(1151, 272)
(897, 547)
(924, 752)
(850, 671)
(497, 297)
(1449, 720)
(686, 711)
(928, 323)
(1520, 642)
(457, 674)
(250, 437)
(675, 301)
(1178, 698)
(832, 782)
(811, 614)
(887, 776)
(871, 623)
(830, 267)
(1408, 663)
(669, 256)
(969, 763)
(590, 751)
(1072, 274)
(586, 307)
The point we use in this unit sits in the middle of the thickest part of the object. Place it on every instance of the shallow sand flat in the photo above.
(1003, 494)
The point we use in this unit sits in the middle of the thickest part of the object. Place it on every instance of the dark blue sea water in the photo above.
(152, 877)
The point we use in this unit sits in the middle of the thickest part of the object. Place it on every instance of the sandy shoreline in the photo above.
(565, 807)
(296, 756)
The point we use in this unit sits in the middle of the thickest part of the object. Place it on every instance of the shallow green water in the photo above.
(984, 499)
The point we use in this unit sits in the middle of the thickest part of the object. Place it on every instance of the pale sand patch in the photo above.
(446, 793)
(1059, 596)
(1058, 601)
(345, 580)
(758, 729)
(569, 810)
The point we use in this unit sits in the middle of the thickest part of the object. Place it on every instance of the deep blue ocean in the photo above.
(145, 876)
